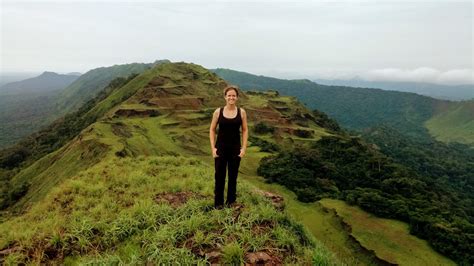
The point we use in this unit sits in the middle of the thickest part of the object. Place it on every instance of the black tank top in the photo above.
(228, 136)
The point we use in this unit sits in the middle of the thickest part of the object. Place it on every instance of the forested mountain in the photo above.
(46, 82)
(426, 183)
(27, 105)
(9, 77)
(23, 114)
(165, 112)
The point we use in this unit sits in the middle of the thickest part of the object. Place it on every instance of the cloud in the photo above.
(457, 76)
(422, 74)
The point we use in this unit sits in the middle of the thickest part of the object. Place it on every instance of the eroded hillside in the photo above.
(109, 194)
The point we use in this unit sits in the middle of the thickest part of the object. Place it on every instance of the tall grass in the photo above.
(109, 215)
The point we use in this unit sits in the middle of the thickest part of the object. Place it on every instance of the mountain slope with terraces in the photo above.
(135, 186)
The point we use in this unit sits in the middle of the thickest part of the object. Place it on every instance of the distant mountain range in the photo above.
(444, 92)
(9, 77)
(46, 82)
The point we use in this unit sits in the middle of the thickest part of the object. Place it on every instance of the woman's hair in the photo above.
(231, 87)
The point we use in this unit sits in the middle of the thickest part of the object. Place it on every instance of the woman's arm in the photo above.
(212, 132)
(245, 133)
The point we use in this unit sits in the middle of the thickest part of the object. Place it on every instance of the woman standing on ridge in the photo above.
(227, 150)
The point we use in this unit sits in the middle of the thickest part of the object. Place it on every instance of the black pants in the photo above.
(228, 158)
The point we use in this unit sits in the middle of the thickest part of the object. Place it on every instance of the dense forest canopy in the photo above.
(415, 185)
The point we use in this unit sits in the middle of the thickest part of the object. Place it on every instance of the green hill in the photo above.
(124, 170)
(177, 106)
(144, 143)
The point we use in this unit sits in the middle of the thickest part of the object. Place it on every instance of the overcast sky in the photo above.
(430, 41)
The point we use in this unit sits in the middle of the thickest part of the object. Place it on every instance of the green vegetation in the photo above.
(22, 114)
(263, 128)
(348, 169)
(451, 165)
(265, 146)
(27, 105)
(156, 210)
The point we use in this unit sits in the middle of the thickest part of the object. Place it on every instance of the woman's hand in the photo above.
(242, 153)
(214, 153)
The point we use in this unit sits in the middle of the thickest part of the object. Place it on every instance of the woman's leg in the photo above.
(220, 164)
(234, 163)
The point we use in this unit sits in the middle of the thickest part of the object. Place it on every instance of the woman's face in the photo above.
(231, 97)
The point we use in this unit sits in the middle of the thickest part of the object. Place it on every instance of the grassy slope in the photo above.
(163, 136)
(455, 123)
(79, 154)
(389, 239)
(111, 213)
(84, 189)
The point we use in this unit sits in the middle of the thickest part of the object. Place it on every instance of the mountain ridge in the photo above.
(147, 121)
(46, 82)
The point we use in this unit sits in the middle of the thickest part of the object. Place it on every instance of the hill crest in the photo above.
(168, 106)
(152, 122)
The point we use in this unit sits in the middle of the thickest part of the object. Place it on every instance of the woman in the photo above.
(227, 150)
